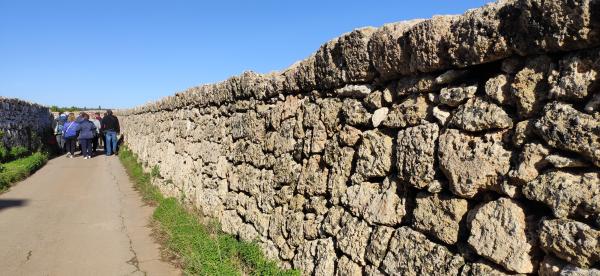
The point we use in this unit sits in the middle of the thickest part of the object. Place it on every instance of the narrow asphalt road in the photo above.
(78, 217)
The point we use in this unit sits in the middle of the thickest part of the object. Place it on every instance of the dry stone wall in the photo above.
(458, 145)
(23, 123)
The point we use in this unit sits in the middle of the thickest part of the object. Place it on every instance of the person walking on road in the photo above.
(58, 131)
(70, 135)
(87, 131)
(110, 127)
(96, 121)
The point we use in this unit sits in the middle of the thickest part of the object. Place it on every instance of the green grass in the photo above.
(19, 169)
(202, 248)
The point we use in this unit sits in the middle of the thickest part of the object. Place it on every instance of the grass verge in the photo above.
(19, 169)
(202, 248)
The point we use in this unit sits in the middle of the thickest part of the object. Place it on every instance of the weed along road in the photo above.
(78, 217)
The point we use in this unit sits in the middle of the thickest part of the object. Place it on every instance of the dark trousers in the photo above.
(70, 145)
(95, 143)
(86, 147)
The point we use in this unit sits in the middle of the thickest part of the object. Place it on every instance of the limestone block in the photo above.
(498, 232)
(563, 127)
(411, 253)
(374, 154)
(355, 113)
(352, 239)
(409, 112)
(479, 115)
(567, 193)
(316, 257)
(378, 244)
(415, 154)
(472, 163)
(376, 203)
(439, 215)
(530, 86)
(571, 240)
(455, 96)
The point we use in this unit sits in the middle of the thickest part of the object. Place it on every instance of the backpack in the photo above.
(59, 128)
(70, 131)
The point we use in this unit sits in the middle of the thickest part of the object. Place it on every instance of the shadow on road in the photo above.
(8, 203)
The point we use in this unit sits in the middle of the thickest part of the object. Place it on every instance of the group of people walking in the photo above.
(90, 132)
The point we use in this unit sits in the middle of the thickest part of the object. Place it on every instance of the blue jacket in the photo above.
(70, 129)
(87, 129)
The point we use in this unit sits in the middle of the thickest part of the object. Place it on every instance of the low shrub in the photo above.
(21, 168)
(18, 152)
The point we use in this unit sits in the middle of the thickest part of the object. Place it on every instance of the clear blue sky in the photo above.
(123, 53)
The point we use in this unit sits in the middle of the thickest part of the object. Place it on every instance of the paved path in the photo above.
(77, 217)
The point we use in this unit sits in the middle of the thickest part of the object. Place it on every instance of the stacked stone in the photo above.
(459, 145)
(23, 123)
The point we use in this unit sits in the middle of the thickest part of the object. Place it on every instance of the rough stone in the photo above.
(562, 161)
(439, 216)
(572, 241)
(531, 161)
(388, 56)
(566, 193)
(451, 76)
(455, 96)
(498, 232)
(350, 135)
(409, 112)
(524, 131)
(472, 163)
(352, 239)
(330, 115)
(316, 257)
(340, 159)
(498, 89)
(479, 115)
(377, 203)
(577, 76)
(379, 116)
(313, 177)
(530, 86)
(411, 253)
(409, 85)
(563, 127)
(415, 154)
(374, 154)
(355, 113)
(332, 223)
(442, 115)
(481, 269)
(551, 266)
(347, 267)
(378, 244)
(354, 91)
(375, 100)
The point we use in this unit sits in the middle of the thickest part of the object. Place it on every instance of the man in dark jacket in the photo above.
(110, 127)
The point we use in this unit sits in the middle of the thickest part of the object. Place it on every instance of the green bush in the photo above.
(21, 168)
(4, 154)
(18, 152)
(202, 247)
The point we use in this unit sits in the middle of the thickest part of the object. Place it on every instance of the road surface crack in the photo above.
(29, 256)
(134, 260)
